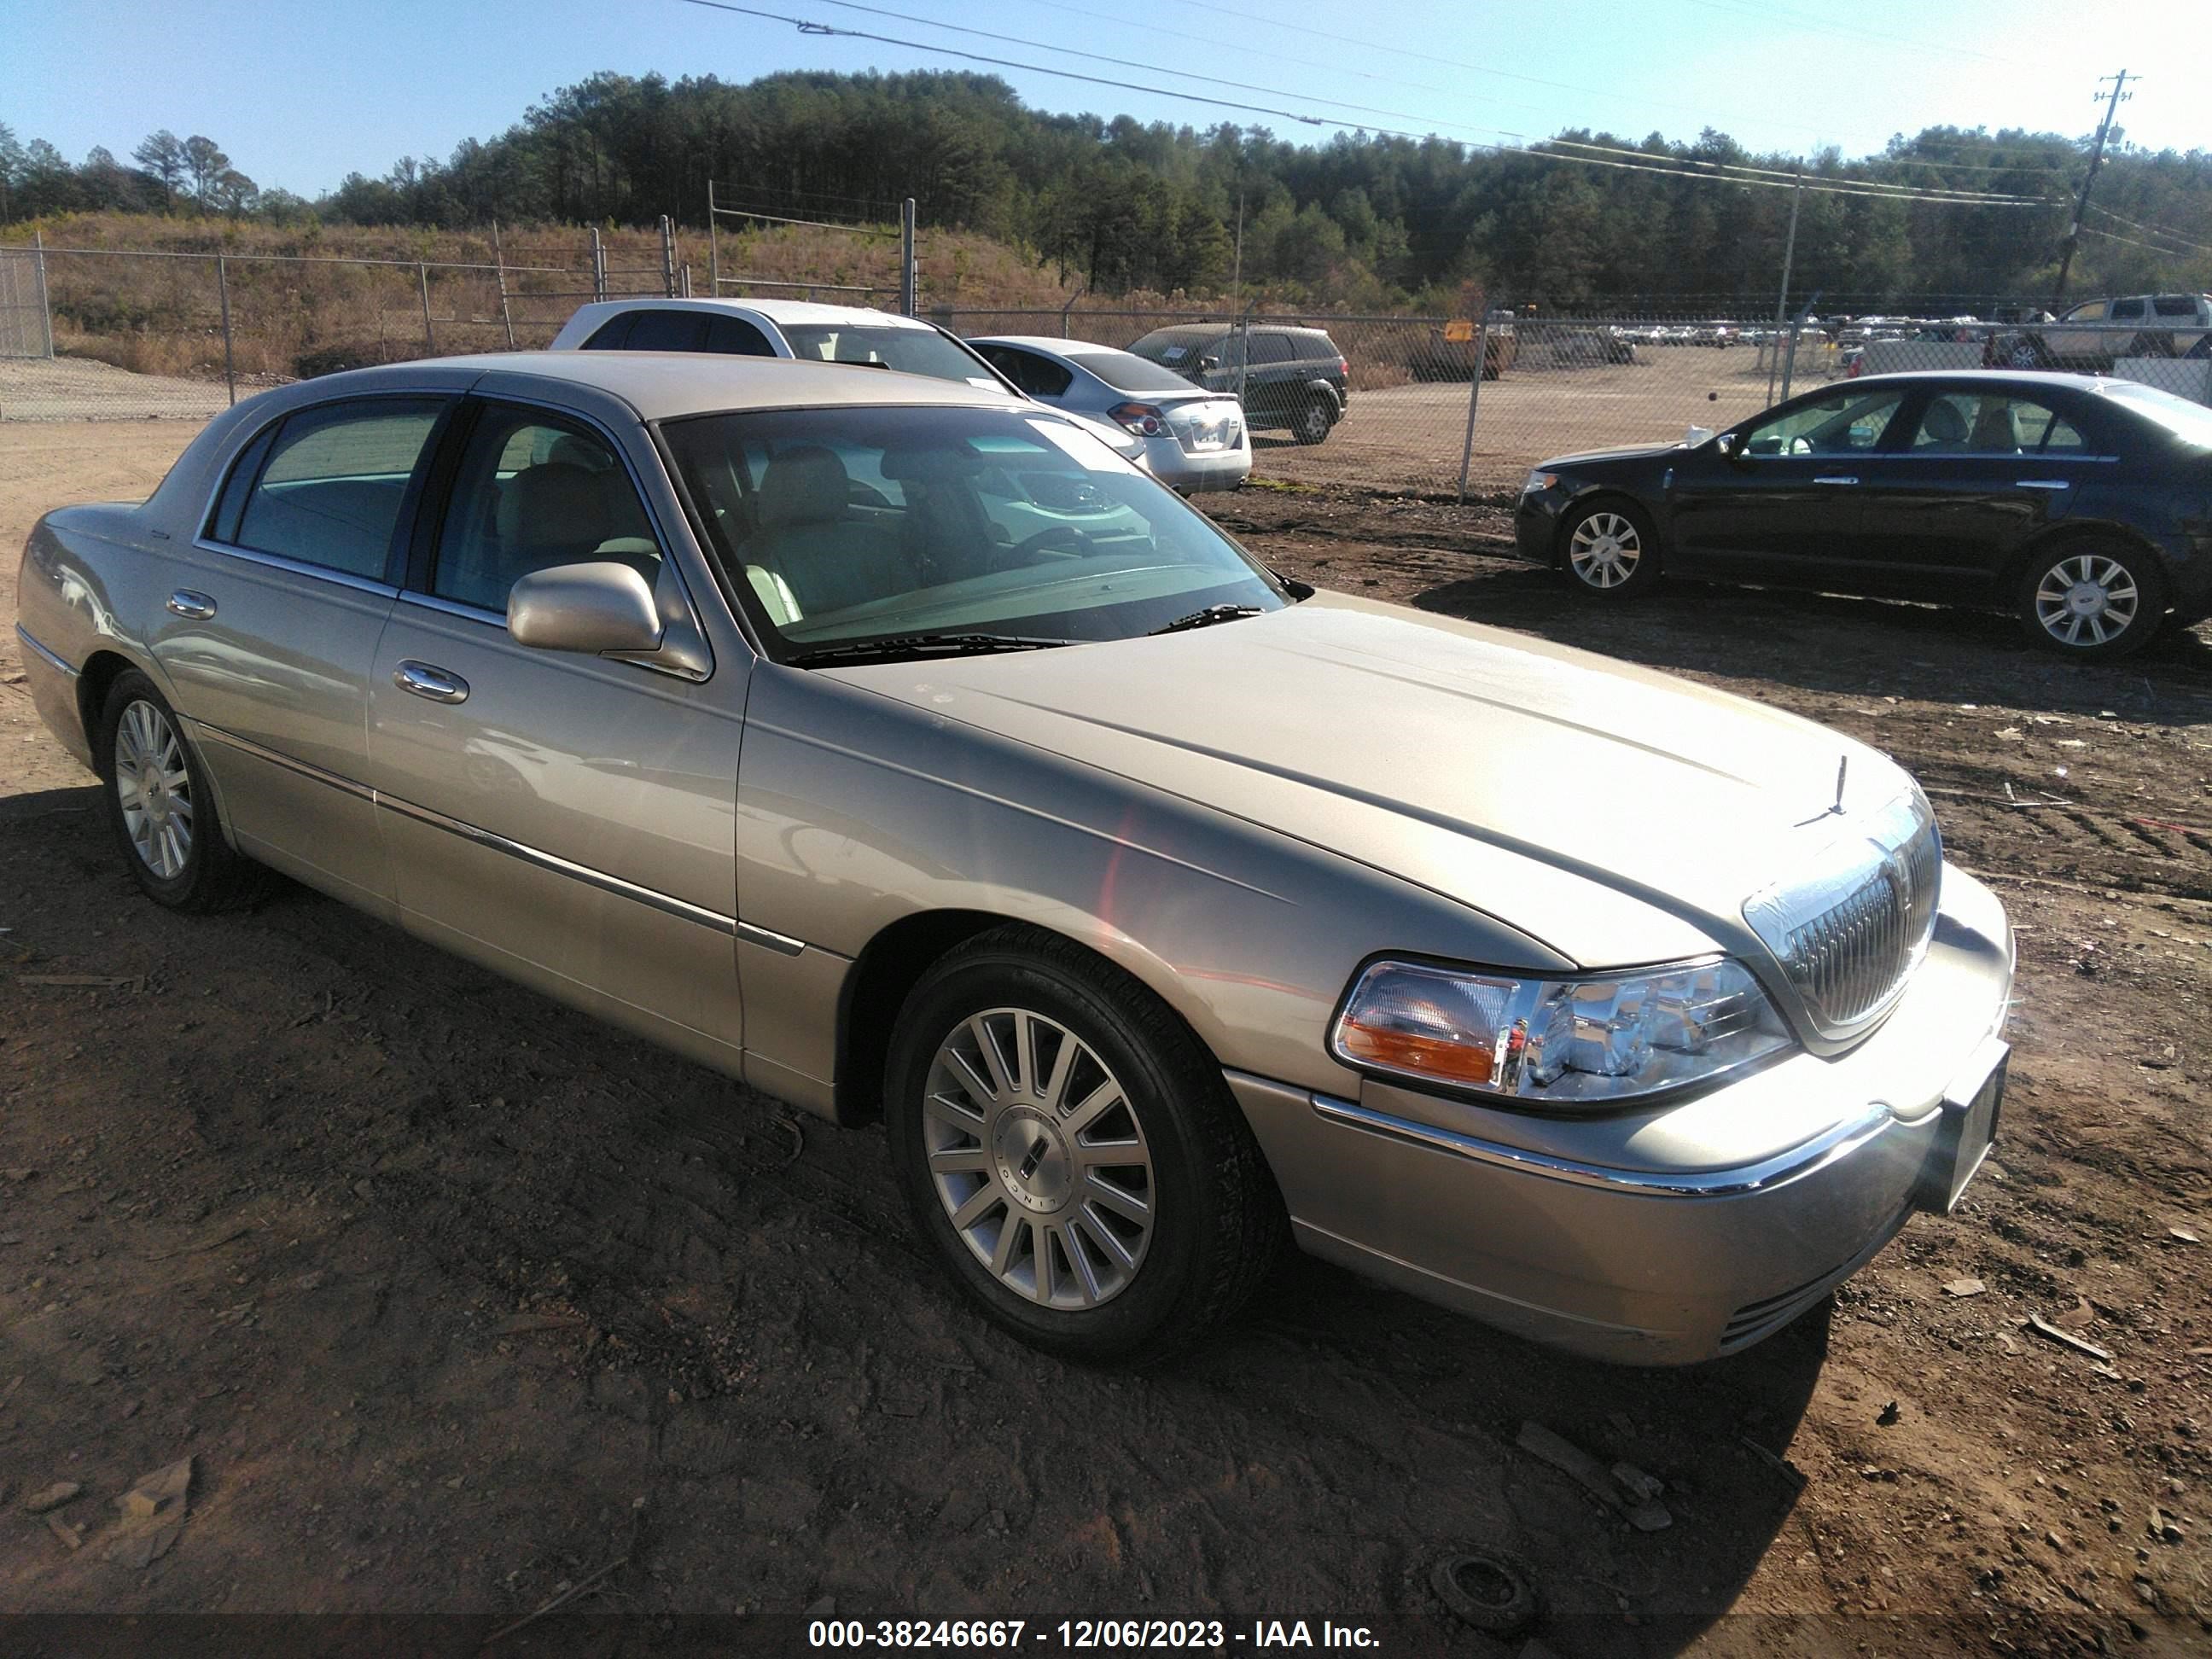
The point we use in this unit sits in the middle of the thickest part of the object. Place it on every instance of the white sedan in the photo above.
(1193, 439)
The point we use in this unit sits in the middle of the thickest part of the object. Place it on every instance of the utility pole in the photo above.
(1782, 300)
(2119, 95)
(1236, 276)
(909, 298)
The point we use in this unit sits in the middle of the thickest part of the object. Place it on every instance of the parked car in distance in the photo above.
(895, 748)
(2093, 336)
(1296, 381)
(1193, 439)
(797, 329)
(2074, 503)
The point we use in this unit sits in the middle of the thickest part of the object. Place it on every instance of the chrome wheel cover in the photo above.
(154, 789)
(1604, 550)
(2086, 600)
(1038, 1158)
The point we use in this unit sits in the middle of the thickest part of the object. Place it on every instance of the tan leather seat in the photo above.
(826, 558)
(555, 513)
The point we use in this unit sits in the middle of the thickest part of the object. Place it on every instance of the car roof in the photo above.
(1052, 345)
(2031, 377)
(805, 313)
(668, 385)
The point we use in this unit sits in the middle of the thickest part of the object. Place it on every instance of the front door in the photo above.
(567, 819)
(1944, 514)
(271, 632)
(1784, 507)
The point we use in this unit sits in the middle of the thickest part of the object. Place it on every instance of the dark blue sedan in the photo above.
(2081, 505)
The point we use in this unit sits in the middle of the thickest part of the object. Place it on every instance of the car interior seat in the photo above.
(1996, 431)
(812, 554)
(1942, 426)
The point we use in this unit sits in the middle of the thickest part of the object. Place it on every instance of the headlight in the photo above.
(1560, 1043)
(1539, 481)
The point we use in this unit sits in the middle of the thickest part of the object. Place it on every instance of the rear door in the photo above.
(1981, 472)
(1785, 506)
(566, 819)
(271, 634)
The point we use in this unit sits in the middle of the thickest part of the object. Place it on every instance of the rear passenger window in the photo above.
(533, 492)
(2127, 311)
(332, 489)
(734, 337)
(1271, 348)
(667, 331)
(1989, 423)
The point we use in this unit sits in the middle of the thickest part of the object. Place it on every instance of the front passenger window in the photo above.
(533, 492)
(1844, 422)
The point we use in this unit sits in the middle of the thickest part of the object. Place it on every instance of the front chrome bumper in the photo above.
(1665, 1238)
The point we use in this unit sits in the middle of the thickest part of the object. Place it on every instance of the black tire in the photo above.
(1623, 557)
(1316, 417)
(209, 874)
(1488, 1590)
(2130, 579)
(1216, 1221)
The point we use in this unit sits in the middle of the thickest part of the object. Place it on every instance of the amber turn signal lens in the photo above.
(1407, 1051)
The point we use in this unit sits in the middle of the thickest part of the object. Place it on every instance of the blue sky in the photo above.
(301, 92)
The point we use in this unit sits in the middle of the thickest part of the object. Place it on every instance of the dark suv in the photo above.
(1296, 378)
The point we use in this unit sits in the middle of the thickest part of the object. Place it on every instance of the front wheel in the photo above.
(2092, 600)
(1611, 549)
(1070, 1154)
(1314, 421)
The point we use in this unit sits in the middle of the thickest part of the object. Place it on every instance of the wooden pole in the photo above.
(499, 265)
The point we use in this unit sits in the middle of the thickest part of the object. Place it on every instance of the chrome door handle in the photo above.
(2044, 483)
(426, 681)
(1835, 481)
(185, 603)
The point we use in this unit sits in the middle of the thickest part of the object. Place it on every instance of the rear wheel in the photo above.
(2093, 600)
(1314, 421)
(159, 805)
(1610, 550)
(1071, 1154)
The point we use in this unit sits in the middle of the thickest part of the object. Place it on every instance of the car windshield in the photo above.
(909, 350)
(1125, 371)
(2190, 422)
(865, 526)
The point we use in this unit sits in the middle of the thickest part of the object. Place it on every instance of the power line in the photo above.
(2151, 230)
(2111, 236)
(1871, 186)
(808, 27)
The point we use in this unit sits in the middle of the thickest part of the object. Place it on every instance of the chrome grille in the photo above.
(1850, 930)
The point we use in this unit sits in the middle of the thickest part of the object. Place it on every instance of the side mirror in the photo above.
(598, 607)
(1725, 446)
(1208, 365)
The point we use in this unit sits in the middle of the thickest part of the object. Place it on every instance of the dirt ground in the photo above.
(457, 1299)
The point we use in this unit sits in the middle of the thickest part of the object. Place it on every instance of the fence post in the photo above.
(223, 293)
(1244, 352)
(907, 273)
(714, 246)
(422, 282)
(39, 270)
(599, 266)
(1790, 363)
(1473, 395)
(499, 265)
(1081, 287)
(668, 256)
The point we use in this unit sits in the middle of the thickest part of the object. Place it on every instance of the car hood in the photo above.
(1560, 462)
(1616, 815)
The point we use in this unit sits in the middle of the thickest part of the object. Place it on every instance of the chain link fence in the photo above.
(94, 333)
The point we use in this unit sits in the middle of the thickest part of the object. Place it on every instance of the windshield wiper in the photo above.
(910, 646)
(1205, 618)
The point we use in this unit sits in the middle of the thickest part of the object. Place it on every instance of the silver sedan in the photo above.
(1195, 439)
(900, 751)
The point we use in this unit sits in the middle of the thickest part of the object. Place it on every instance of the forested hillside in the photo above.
(1366, 221)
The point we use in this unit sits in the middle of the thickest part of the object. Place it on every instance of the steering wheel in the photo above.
(1800, 446)
(1053, 538)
